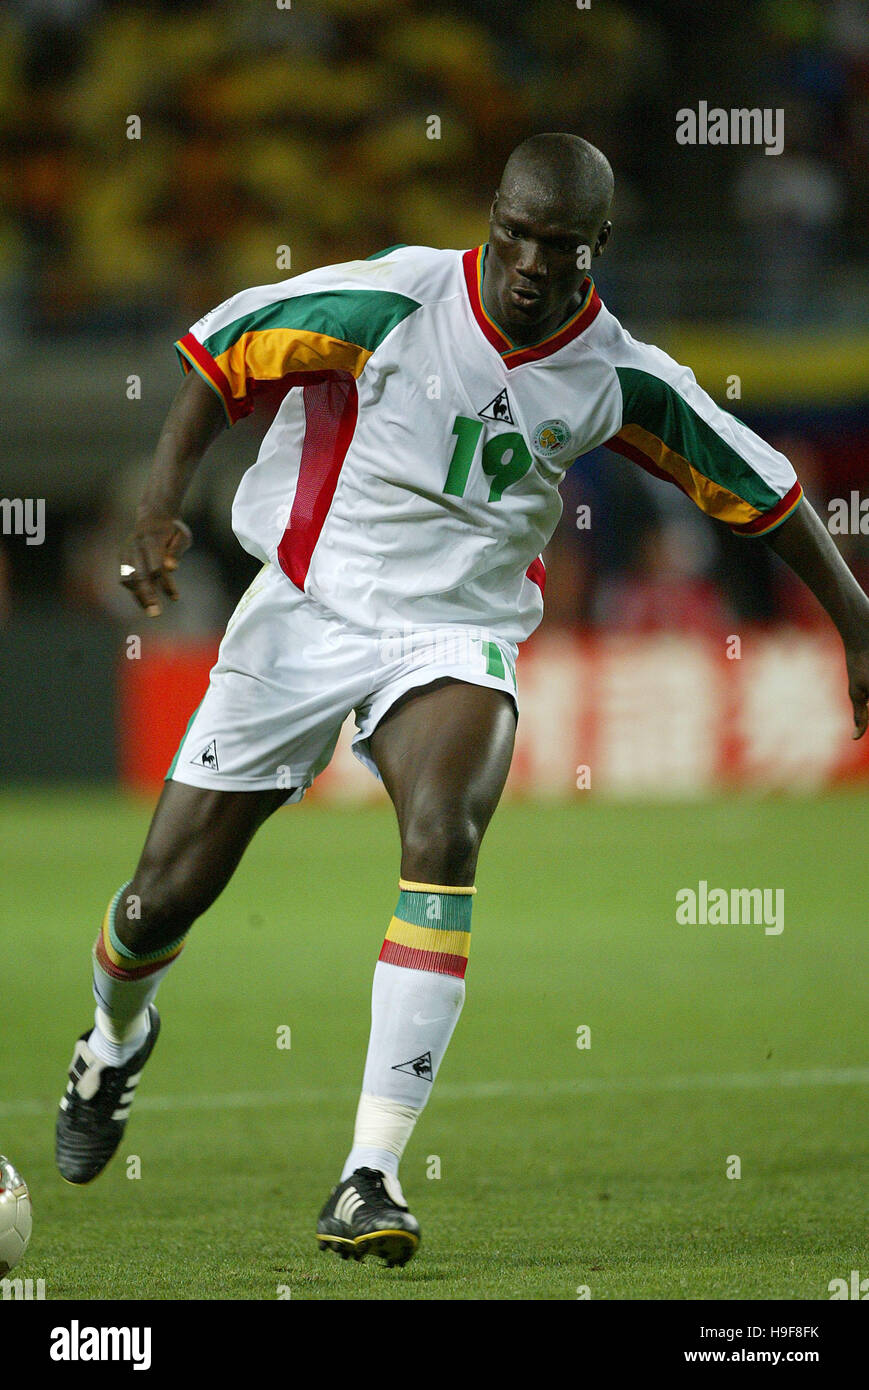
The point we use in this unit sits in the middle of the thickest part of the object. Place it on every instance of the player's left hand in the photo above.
(857, 662)
(150, 555)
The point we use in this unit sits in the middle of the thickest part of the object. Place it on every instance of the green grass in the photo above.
(560, 1167)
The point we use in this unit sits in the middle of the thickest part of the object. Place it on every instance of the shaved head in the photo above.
(549, 219)
(564, 171)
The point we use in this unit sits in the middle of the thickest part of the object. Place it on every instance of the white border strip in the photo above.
(489, 1090)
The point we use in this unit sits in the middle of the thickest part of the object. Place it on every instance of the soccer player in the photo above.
(428, 405)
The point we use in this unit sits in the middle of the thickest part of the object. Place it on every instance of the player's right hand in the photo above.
(149, 556)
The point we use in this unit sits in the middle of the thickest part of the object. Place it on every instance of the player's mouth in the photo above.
(524, 296)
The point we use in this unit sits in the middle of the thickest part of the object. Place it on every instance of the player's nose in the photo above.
(531, 262)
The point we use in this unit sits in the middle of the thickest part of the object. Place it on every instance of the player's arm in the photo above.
(266, 338)
(803, 541)
(151, 551)
(671, 427)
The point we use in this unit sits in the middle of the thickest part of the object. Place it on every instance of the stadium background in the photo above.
(308, 128)
(264, 127)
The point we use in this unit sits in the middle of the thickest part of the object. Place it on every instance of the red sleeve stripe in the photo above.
(331, 408)
(197, 356)
(758, 526)
(630, 451)
(768, 521)
(536, 572)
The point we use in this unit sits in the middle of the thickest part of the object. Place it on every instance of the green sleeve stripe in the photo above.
(376, 255)
(189, 365)
(654, 405)
(362, 317)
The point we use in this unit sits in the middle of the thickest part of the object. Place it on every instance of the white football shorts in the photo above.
(288, 673)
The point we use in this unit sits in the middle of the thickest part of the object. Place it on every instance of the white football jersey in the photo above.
(411, 473)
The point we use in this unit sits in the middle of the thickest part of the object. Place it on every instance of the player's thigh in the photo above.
(444, 751)
(195, 842)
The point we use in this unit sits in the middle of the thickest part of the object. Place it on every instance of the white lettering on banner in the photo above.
(657, 712)
(552, 697)
(640, 715)
(663, 715)
(794, 717)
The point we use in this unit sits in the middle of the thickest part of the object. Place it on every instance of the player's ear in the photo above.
(494, 205)
(603, 237)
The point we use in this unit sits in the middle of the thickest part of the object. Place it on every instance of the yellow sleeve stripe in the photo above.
(709, 496)
(269, 354)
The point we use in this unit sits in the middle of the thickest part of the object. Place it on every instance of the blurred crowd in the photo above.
(156, 154)
(155, 157)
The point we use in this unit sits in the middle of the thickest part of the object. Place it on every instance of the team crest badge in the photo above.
(550, 438)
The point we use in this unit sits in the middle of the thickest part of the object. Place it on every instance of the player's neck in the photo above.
(524, 335)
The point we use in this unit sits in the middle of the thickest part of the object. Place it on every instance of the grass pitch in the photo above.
(561, 1168)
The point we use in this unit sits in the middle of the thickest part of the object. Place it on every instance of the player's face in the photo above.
(536, 264)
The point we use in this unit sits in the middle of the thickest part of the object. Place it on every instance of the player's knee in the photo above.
(441, 847)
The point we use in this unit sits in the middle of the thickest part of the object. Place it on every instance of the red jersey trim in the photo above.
(768, 521)
(331, 410)
(536, 572)
(758, 526)
(513, 355)
(193, 355)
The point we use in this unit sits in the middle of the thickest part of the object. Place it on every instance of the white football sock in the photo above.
(117, 1045)
(382, 1130)
(413, 1014)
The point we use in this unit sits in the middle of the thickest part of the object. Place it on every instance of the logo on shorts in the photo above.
(550, 437)
(208, 757)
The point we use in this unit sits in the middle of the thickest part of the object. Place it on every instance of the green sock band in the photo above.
(117, 944)
(449, 911)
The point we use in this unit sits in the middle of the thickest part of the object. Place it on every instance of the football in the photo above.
(16, 1216)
